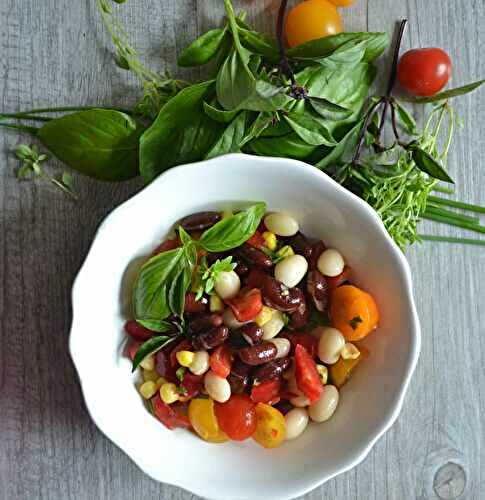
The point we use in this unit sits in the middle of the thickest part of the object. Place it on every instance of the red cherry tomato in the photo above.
(137, 331)
(246, 305)
(306, 374)
(336, 281)
(132, 348)
(257, 240)
(237, 417)
(220, 361)
(266, 391)
(308, 341)
(192, 384)
(167, 245)
(424, 72)
(171, 416)
(256, 278)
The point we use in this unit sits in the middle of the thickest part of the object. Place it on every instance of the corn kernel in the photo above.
(148, 363)
(150, 375)
(323, 372)
(285, 251)
(349, 351)
(264, 315)
(160, 381)
(185, 358)
(148, 389)
(216, 304)
(169, 393)
(270, 239)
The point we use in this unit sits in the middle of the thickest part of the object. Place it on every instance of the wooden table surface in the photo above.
(55, 52)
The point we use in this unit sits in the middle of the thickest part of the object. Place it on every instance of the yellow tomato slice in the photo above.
(341, 371)
(270, 426)
(203, 419)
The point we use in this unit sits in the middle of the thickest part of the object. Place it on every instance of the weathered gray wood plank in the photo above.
(55, 52)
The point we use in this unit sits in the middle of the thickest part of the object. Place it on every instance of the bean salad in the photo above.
(245, 327)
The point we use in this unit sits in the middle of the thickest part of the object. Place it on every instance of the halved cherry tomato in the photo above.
(306, 374)
(341, 371)
(266, 391)
(132, 348)
(270, 426)
(137, 331)
(171, 416)
(256, 278)
(308, 341)
(424, 72)
(184, 345)
(310, 20)
(203, 419)
(237, 417)
(246, 305)
(257, 240)
(220, 361)
(167, 245)
(353, 312)
(336, 281)
(192, 384)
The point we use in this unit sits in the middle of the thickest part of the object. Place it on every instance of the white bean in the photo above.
(230, 320)
(296, 422)
(330, 345)
(274, 326)
(217, 388)
(227, 285)
(330, 263)
(281, 224)
(200, 363)
(325, 407)
(300, 401)
(290, 271)
(283, 346)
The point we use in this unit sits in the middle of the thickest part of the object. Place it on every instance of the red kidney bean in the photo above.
(236, 340)
(255, 257)
(195, 306)
(213, 256)
(212, 338)
(137, 331)
(255, 278)
(200, 221)
(204, 322)
(242, 269)
(301, 317)
(280, 297)
(239, 377)
(252, 333)
(284, 406)
(317, 249)
(163, 366)
(317, 288)
(258, 354)
(301, 245)
(271, 370)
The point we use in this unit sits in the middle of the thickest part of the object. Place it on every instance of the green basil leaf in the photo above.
(448, 94)
(231, 139)
(310, 128)
(182, 132)
(405, 118)
(258, 43)
(100, 143)
(179, 285)
(266, 97)
(150, 347)
(202, 50)
(150, 293)
(155, 325)
(328, 109)
(426, 163)
(233, 231)
(262, 121)
(254, 63)
(185, 237)
(289, 145)
(349, 53)
(375, 45)
(220, 115)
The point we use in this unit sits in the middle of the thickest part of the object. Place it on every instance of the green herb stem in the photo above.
(454, 222)
(25, 116)
(437, 210)
(451, 239)
(23, 128)
(62, 109)
(443, 189)
(457, 204)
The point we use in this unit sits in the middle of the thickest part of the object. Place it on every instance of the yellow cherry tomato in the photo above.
(203, 419)
(341, 371)
(270, 426)
(310, 20)
(342, 3)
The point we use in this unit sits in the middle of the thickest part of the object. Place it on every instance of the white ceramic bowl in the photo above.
(370, 402)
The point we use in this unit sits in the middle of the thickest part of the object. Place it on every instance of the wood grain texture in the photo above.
(55, 52)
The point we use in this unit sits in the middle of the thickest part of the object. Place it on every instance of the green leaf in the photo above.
(150, 347)
(262, 121)
(231, 138)
(405, 118)
(426, 163)
(209, 277)
(182, 132)
(99, 143)
(289, 145)
(202, 50)
(328, 109)
(233, 231)
(311, 128)
(155, 325)
(448, 94)
(24, 152)
(180, 284)
(220, 115)
(266, 97)
(375, 45)
(351, 52)
(184, 236)
(258, 43)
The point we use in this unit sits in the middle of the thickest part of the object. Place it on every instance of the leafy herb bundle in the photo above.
(310, 102)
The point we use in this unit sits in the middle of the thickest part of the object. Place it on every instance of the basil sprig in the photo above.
(160, 288)
(151, 346)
